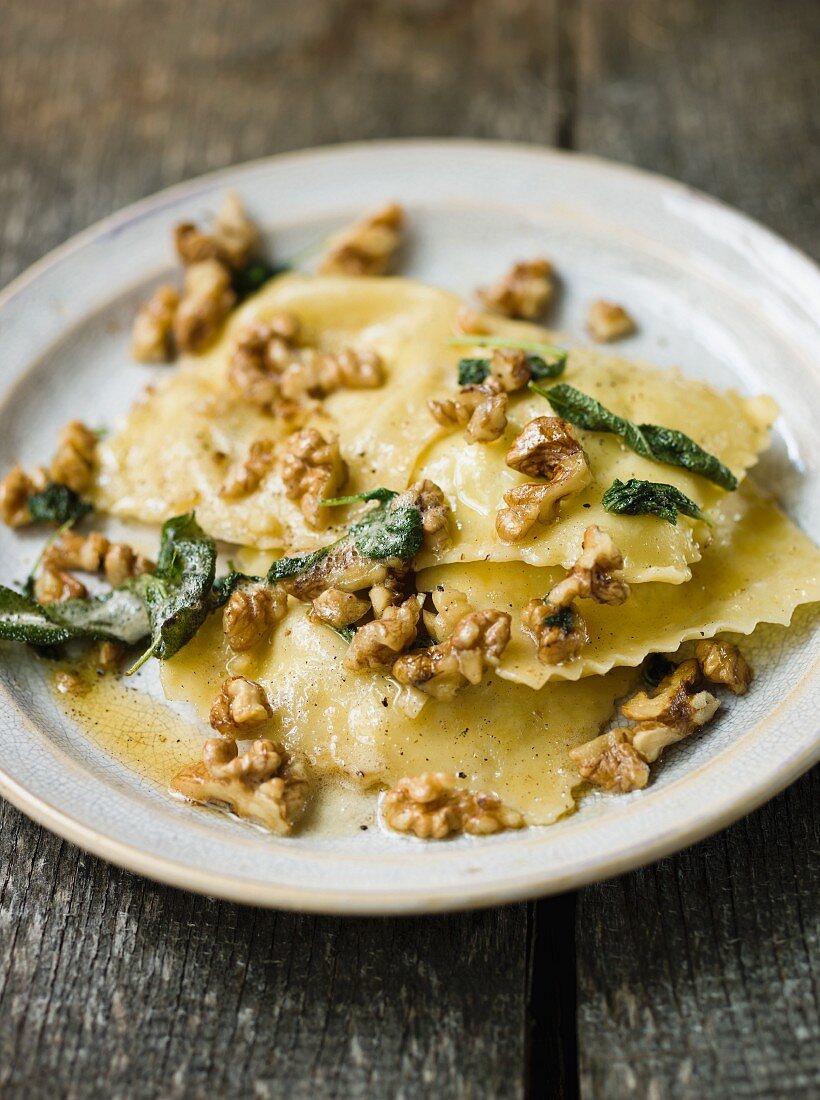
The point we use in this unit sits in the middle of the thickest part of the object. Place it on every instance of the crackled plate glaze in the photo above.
(713, 292)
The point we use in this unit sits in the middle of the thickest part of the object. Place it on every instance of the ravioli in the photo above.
(180, 441)
(496, 736)
(758, 568)
(475, 478)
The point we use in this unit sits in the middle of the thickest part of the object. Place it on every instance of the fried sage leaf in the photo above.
(665, 445)
(57, 504)
(471, 372)
(117, 616)
(250, 278)
(551, 360)
(642, 498)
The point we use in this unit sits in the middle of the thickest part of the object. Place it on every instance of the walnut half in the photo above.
(524, 292)
(368, 247)
(240, 705)
(432, 807)
(476, 643)
(312, 470)
(376, 645)
(723, 663)
(266, 784)
(675, 711)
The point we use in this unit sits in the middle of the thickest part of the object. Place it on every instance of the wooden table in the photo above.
(697, 977)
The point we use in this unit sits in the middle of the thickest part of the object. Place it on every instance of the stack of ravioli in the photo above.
(511, 734)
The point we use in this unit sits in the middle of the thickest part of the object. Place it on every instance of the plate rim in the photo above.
(525, 885)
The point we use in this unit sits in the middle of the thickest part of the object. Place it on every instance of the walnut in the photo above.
(531, 503)
(480, 409)
(546, 444)
(375, 646)
(451, 607)
(511, 369)
(368, 247)
(251, 614)
(470, 322)
(592, 574)
(122, 562)
(109, 657)
(476, 643)
(93, 553)
(607, 321)
(558, 632)
(56, 586)
(381, 597)
(343, 566)
(73, 464)
(207, 299)
(266, 784)
(431, 806)
(69, 683)
(312, 470)
(672, 713)
(524, 292)
(241, 703)
(338, 608)
(152, 332)
(261, 352)
(435, 512)
(318, 373)
(611, 762)
(723, 663)
(17, 486)
(248, 476)
(232, 241)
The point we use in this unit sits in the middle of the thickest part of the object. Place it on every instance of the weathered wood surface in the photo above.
(697, 977)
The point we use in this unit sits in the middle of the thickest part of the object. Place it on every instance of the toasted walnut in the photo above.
(56, 586)
(122, 562)
(435, 512)
(375, 646)
(470, 322)
(207, 299)
(232, 240)
(432, 807)
(672, 713)
(476, 643)
(546, 444)
(266, 784)
(261, 353)
(511, 369)
(488, 420)
(525, 291)
(532, 503)
(240, 704)
(451, 606)
(312, 470)
(248, 476)
(251, 614)
(152, 332)
(345, 567)
(723, 663)
(73, 464)
(559, 633)
(607, 321)
(110, 656)
(93, 553)
(592, 574)
(368, 247)
(318, 373)
(338, 608)
(17, 486)
(480, 409)
(381, 597)
(611, 762)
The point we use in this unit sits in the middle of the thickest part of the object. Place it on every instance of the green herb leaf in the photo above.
(471, 372)
(372, 494)
(554, 359)
(248, 279)
(389, 532)
(178, 596)
(300, 563)
(118, 616)
(57, 504)
(664, 445)
(641, 498)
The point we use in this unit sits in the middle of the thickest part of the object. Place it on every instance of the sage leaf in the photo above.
(641, 498)
(57, 504)
(554, 359)
(117, 616)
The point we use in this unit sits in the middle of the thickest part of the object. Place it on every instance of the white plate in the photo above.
(714, 293)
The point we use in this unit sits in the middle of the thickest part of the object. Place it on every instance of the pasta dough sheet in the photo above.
(758, 568)
(498, 735)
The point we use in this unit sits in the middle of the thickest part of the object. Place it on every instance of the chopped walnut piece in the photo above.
(470, 322)
(56, 586)
(432, 807)
(510, 368)
(435, 512)
(261, 352)
(723, 663)
(345, 567)
(545, 446)
(266, 784)
(232, 240)
(93, 553)
(531, 503)
(15, 489)
(251, 614)
(524, 292)
(559, 633)
(611, 762)
(480, 409)
(248, 476)
(73, 464)
(338, 608)
(382, 596)
(592, 574)
(368, 247)
(476, 643)
(241, 703)
(451, 607)
(375, 646)
(312, 470)
(607, 321)
(672, 713)
(207, 299)
(122, 562)
(152, 332)
(318, 373)
(109, 657)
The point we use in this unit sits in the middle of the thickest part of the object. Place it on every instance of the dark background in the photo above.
(697, 977)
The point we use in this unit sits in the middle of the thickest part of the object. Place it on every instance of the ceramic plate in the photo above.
(713, 292)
